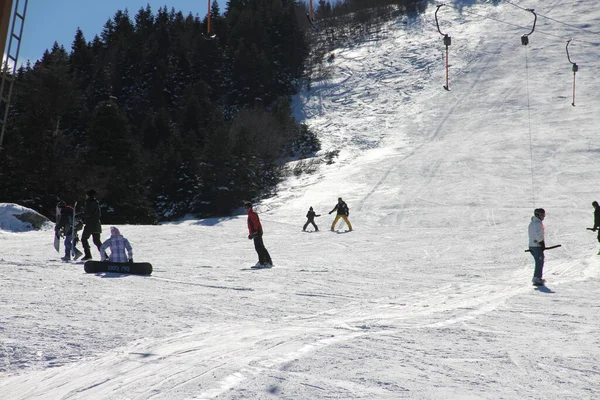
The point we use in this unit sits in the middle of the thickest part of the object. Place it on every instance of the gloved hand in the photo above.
(542, 245)
(330, 212)
(131, 260)
(250, 237)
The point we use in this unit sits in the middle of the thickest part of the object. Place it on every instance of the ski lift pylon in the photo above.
(575, 68)
(208, 35)
(447, 42)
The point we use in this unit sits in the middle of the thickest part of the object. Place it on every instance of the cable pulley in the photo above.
(447, 42)
(575, 68)
(525, 38)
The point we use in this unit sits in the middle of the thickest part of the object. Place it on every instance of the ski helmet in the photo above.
(539, 212)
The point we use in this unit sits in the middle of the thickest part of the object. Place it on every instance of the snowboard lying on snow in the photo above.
(136, 268)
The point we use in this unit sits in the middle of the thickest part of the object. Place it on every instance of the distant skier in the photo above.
(93, 227)
(342, 212)
(117, 245)
(596, 219)
(537, 244)
(255, 232)
(64, 226)
(311, 219)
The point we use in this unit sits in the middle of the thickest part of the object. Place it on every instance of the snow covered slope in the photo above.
(429, 297)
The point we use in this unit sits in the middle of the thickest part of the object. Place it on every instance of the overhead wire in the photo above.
(563, 37)
(555, 20)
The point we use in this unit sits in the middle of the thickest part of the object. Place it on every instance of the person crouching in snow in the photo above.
(117, 244)
(311, 219)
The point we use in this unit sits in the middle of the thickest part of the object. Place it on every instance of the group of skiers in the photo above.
(67, 226)
(342, 212)
(120, 248)
(255, 231)
(537, 244)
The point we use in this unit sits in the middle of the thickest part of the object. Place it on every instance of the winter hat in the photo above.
(539, 212)
(595, 204)
(114, 230)
(91, 193)
(247, 204)
(311, 209)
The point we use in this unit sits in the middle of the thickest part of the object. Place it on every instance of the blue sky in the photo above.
(50, 21)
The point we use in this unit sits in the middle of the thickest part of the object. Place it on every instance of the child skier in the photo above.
(311, 220)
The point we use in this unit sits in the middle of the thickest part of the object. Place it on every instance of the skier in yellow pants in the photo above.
(342, 212)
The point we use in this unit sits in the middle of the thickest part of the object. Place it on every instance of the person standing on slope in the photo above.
(342, 212)
(596, 219)
(537, 244)
(64, 226)
(93, 227)
(255, 232)
(311, 219)
(117, 245)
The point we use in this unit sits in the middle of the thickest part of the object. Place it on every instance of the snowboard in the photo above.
(74, 233)
(136, 268)
(57, 236)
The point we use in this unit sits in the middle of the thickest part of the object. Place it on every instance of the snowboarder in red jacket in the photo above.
(255, 232)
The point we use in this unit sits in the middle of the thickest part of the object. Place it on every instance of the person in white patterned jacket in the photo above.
(118, 245)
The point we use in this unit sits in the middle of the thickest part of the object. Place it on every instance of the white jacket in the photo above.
(536, 232)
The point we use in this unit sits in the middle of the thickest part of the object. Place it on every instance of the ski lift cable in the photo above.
(557, 21)
(529, 126)
(525, 42)
(523, 27)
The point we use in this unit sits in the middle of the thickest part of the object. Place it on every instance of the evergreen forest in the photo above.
(164, 117)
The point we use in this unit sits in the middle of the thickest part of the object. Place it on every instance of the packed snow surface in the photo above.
(429, 297)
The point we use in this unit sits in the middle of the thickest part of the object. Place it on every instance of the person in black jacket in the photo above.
(596, 219)
(311, 219)
(93, 227)
(342, 212)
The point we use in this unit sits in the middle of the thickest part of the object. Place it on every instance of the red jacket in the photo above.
(254, 225)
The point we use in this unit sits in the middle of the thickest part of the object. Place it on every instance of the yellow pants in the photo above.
(337, 218)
